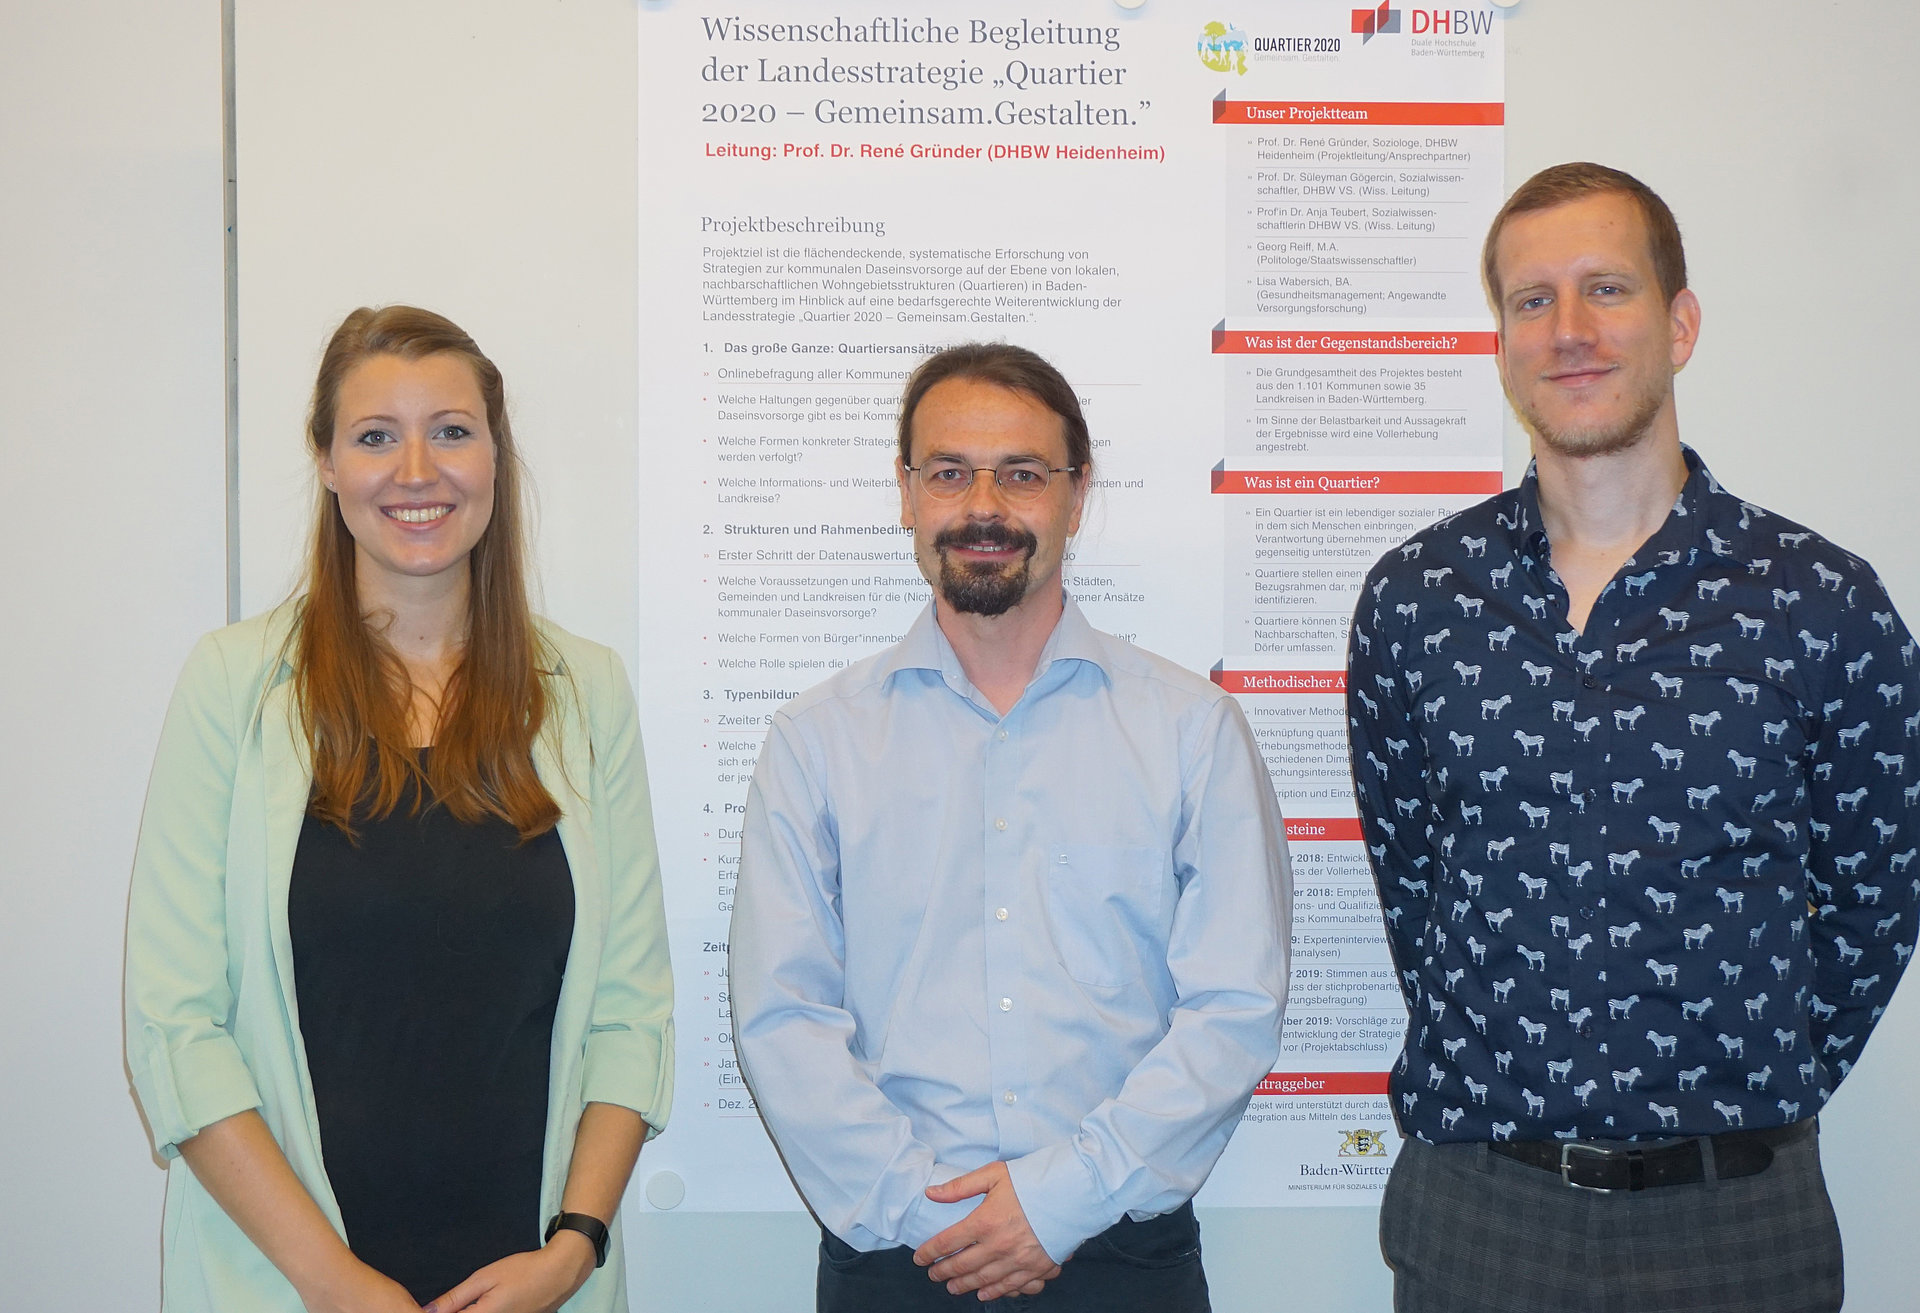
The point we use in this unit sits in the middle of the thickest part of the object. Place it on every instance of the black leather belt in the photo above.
(1622, 1165)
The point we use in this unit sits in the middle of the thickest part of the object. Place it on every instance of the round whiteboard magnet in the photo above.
(666, 1190)
(1503, 4)
(1130, 4)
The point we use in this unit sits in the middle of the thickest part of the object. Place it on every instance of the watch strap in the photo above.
(592, 1228)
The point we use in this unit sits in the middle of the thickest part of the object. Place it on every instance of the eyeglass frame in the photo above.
(974, 472)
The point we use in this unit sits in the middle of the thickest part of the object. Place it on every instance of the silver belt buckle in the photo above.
(1566, 1165)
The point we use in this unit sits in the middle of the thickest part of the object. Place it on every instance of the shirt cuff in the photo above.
(924, 1219)
(1063, 1201)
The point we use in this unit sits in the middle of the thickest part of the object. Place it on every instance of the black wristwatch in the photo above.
(591, 1227)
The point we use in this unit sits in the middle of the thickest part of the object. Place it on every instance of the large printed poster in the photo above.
(1249, 238)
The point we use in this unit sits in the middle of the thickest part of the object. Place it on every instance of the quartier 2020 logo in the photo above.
(1223, 48)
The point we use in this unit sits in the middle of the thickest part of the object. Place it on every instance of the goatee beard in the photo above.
(984, 588)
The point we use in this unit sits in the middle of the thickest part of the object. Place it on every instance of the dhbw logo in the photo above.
(1371, 22)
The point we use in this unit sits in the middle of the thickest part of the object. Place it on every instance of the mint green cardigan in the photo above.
(213, 1023)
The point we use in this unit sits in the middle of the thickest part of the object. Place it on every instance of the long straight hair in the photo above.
(351, 688)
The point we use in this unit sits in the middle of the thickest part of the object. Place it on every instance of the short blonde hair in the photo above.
(1563, 183)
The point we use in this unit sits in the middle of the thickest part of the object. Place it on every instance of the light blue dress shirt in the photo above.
(1056, 938)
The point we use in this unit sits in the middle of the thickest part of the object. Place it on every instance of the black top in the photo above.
(427, 963)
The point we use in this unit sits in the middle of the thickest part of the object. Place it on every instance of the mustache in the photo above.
(987, 534)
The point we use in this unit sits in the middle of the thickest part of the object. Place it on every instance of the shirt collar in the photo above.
(1679, 536)
(924, 647)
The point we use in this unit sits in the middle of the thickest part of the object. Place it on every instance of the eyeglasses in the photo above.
(1022, 478)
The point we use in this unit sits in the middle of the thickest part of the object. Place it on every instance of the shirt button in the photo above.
(1010, 1097)
(1588, 681)
(1586, 914)
(999, 913)
(1000, 824)
(1002, 736)
(1006, 1005)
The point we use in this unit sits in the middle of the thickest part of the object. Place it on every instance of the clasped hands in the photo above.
(992, 1250)
(537, 1281)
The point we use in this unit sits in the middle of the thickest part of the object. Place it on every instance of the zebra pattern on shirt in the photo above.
(1652, 877)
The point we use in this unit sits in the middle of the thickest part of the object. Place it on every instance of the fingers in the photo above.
(1031, 1288)
(963, 1263)
(991, 1253)
(993, 1280)
(950, 1241)
(970, 1229)
(463, 1295)
(978, 1181)
(982, 1266)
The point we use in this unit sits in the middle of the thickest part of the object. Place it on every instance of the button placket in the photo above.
(1002, 888)
(1593, 772)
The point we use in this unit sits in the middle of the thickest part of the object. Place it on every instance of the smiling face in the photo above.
(983, 553)
(412, 464)
(1588, 343)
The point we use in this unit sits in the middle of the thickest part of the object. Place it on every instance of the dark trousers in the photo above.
(1131, 1267)
(1466, 1229)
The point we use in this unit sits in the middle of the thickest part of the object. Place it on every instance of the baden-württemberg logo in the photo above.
(1223, 48)
(1363, 1144)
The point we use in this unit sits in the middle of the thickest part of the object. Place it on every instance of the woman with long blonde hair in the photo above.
(399, 1010)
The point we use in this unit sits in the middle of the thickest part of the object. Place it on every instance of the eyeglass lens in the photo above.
(1020, 477)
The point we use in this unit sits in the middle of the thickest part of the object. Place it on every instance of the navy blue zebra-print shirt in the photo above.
(1656, 877)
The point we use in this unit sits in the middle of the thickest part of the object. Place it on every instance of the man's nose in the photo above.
(1573, 319)
(984, 495)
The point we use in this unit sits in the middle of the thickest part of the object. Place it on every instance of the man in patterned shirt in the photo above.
(1638, 770)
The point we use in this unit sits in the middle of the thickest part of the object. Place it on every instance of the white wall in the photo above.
(477, 156)
(111, 403)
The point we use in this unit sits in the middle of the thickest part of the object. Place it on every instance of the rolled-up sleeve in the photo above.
(629, 1048)
(187, 1071)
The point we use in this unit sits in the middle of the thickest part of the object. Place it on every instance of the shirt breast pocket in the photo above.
(1105, 902)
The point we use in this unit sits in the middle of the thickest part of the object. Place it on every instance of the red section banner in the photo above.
(1358, 482)
(1361, 113)
(1324, 829)
(1281, 681)
(1254, 341)
(1282, 1084)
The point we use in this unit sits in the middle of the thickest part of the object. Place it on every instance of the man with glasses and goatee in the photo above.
(1009, 947)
